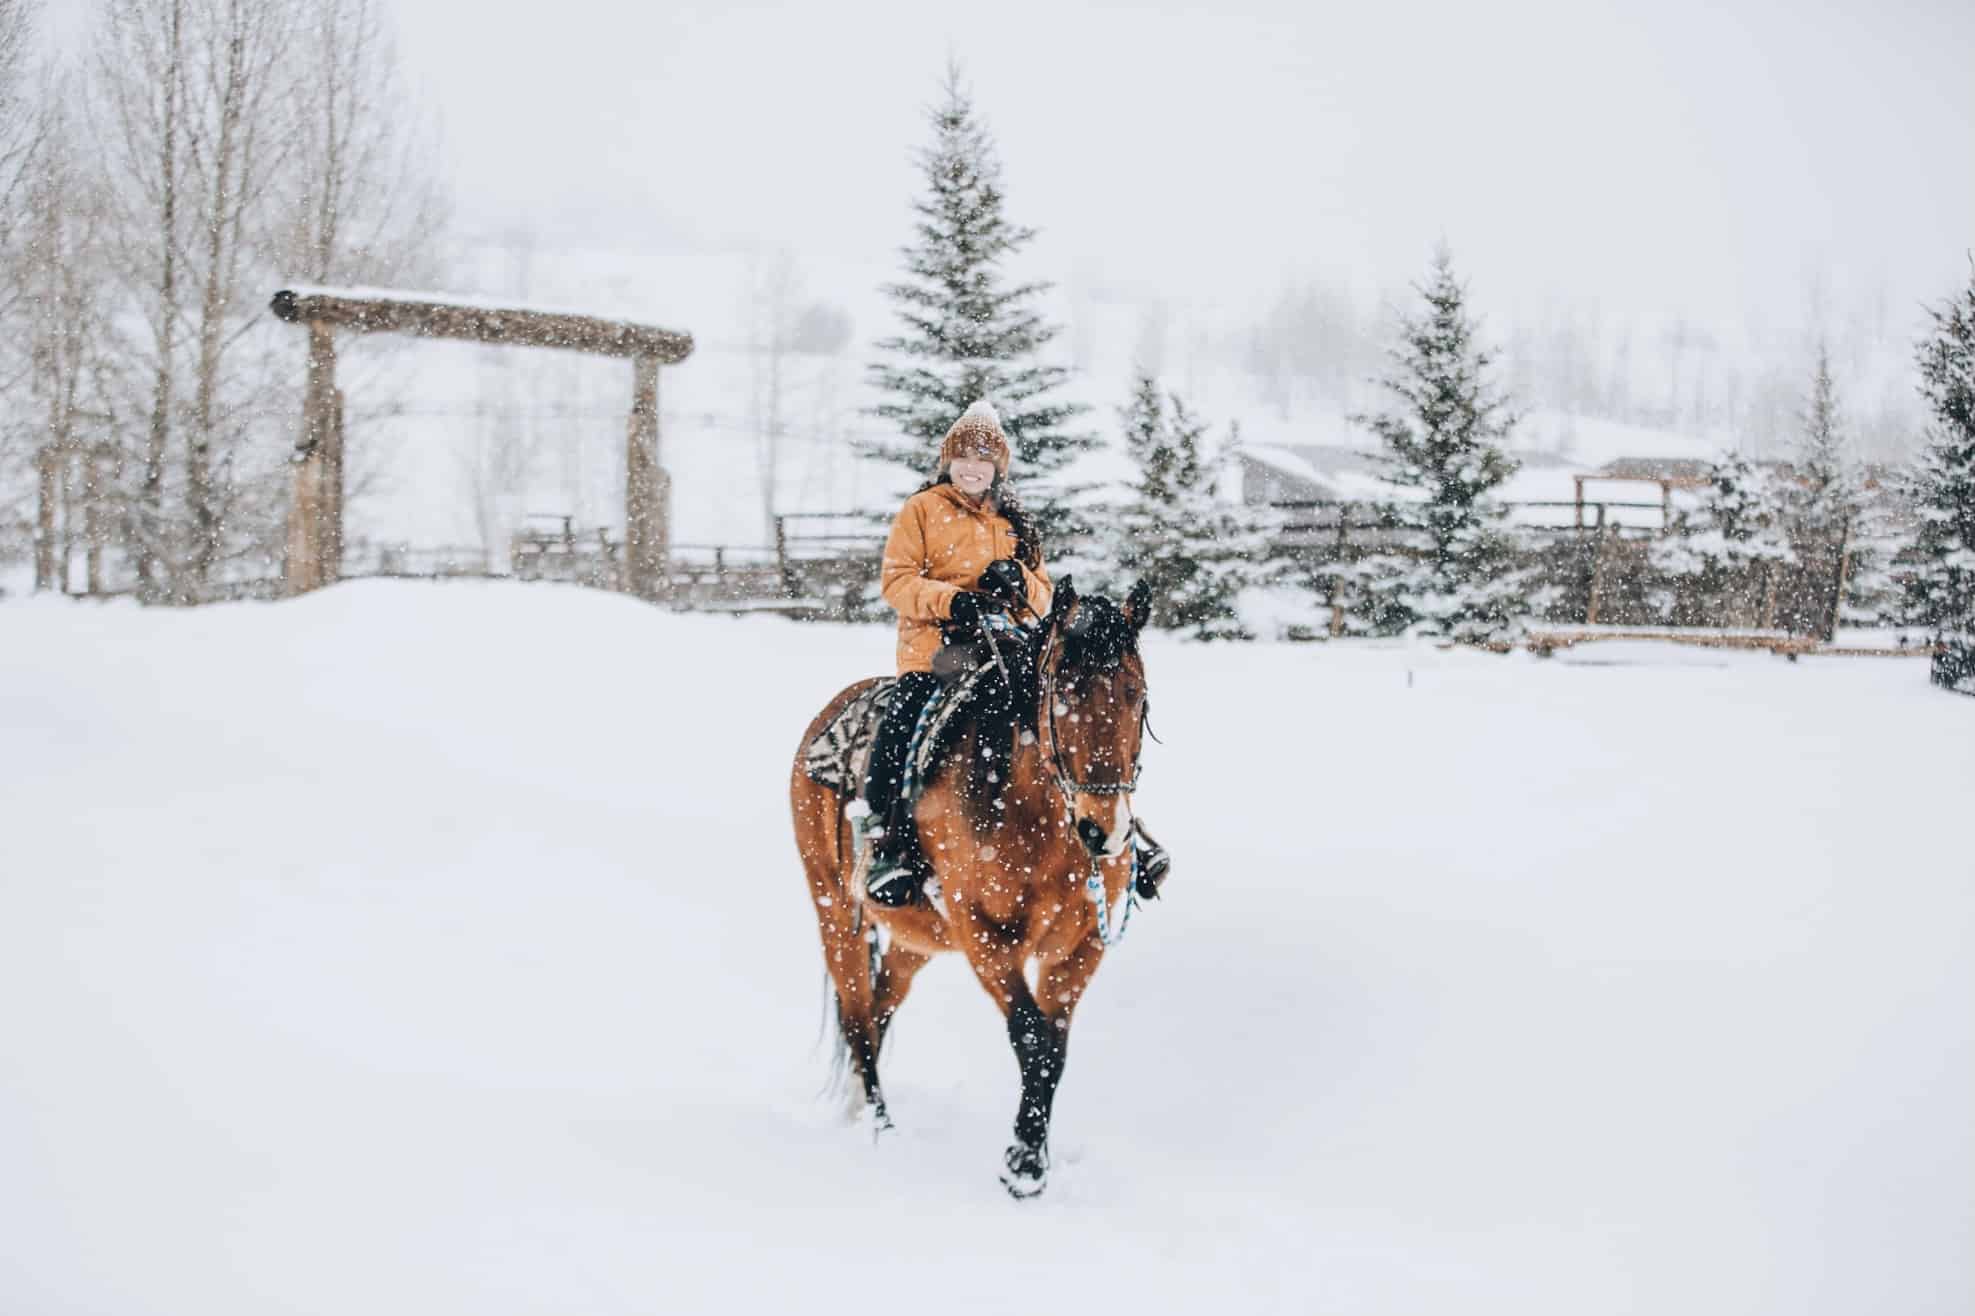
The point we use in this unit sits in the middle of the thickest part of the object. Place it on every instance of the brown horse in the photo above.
(1027, 823)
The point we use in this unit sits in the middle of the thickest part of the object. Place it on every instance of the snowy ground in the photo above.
(441, 949)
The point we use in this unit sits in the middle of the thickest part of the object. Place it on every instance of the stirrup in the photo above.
(893, 883)
(1151, 861)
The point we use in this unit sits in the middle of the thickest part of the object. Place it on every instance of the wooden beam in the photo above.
(513, 326)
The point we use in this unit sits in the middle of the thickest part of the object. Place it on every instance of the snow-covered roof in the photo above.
(1282, 461)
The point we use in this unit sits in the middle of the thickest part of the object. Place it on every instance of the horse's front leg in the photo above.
(1039, 1032)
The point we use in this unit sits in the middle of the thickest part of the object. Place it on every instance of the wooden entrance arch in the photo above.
(315, 513)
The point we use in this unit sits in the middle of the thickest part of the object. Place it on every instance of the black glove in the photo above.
(1003, 580)
(967, 609)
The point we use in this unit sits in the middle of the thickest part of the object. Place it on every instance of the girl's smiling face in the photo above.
(971, 475)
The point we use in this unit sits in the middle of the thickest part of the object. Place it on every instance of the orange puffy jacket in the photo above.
(941, 542)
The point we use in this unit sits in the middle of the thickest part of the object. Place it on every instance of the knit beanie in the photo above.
(976, 434)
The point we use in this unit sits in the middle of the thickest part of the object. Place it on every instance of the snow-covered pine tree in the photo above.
(1722, 556)
(1445, 566)
(1941, 588)
(1169, 527)
(1824, 503)
(1871, 590)
(968, 333)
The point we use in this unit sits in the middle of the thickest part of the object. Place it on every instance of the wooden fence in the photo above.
(1591, 560)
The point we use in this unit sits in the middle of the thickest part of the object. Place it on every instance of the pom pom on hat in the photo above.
(977, 434)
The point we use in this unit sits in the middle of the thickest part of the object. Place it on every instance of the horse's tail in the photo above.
(836, 1082)
(821, 833)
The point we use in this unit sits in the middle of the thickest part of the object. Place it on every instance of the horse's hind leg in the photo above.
(822, 838)
(864, 1028)
(895, 974)
(862, 1037)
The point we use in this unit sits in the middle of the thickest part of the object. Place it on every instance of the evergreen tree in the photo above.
(968, 334)
(1444, 566)
(1171, 530)
(1871, 594)
(1824, 505)
(1723, 555)
(1941, 589)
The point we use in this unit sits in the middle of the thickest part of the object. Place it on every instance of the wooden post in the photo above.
(782, 556)
(318, 479)
(44, 525)
(1597, 569)
(1577, 482)
(332, 503)
(647, 489)
(1336, 610)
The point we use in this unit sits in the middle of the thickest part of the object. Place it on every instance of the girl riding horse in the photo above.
(961, 551)
(1033, 856)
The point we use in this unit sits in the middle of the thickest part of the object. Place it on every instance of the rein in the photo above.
(1069, 787)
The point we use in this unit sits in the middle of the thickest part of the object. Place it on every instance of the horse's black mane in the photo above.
(1100, 638)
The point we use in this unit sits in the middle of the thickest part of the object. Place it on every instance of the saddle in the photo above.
(839, 756)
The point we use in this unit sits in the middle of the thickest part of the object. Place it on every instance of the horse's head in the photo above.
(1091, 709)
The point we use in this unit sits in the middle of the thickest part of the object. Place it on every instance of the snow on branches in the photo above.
(1444, 565)
(1940, 591)
(1171, 529)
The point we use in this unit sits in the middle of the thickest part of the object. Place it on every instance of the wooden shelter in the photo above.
(315, 516)
(1668, 473)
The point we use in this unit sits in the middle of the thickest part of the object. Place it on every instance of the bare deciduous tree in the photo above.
(19, 133)
(138, 77)
(20, 122)
(234, 158)
(361, 205)
(247, 144)
(774, 302)
(62, 277)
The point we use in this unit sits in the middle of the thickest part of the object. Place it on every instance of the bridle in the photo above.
(1053, 755)
(1070, 787)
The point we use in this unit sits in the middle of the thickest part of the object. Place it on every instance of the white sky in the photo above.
(1678, 157)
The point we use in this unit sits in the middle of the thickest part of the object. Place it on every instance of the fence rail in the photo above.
(1594, 570)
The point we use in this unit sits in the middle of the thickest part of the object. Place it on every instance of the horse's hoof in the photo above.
(1027, 1172)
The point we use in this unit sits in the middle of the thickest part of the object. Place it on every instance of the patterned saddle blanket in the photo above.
(839, 756)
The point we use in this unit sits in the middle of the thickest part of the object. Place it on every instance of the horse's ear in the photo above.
(1138, 605)
(1062, 601)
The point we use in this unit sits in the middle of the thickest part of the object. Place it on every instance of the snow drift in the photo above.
(442, 949)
